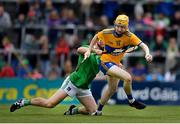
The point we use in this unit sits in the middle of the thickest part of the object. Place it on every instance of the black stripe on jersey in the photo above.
(140, 43)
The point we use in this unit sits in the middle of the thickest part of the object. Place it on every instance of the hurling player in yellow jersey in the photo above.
(115, 42)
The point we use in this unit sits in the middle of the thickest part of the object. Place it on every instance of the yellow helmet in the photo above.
(122, 20)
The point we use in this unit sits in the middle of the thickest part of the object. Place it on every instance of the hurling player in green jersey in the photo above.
(75, 85)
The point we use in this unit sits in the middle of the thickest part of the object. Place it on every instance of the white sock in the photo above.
(21, 103)
(92, 113)
(131, 100)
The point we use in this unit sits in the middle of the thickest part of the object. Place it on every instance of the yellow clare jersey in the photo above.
(114, 46)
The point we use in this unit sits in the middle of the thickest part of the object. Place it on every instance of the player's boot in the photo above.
(17, 105)
(137, 105)
(97, 113)
(70, 110)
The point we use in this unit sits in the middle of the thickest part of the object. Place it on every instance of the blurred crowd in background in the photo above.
(39, 38)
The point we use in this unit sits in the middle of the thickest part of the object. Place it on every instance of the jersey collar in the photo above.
(116, 34)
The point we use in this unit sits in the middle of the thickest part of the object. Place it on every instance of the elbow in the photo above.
(143, 45)
(82, 50)
(79, 50)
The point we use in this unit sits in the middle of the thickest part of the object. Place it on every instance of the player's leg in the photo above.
(113, 70)
(66, 90)
(111, 89)
(52, 101)
(41, 102)
(126, 77)
(123, 75)
(57, 97)
(87, 100)
(89, 105)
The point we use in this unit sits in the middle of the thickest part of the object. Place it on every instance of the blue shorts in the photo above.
(105, 66)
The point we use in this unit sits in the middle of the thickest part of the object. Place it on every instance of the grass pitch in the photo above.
(111, 113)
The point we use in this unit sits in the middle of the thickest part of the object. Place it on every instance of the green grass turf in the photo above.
(113, 113)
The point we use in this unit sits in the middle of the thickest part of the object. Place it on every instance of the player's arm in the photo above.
(82, 50)
(93, 42)
(145, 48)
(137, 42)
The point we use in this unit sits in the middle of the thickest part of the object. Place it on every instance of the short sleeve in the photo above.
(134, 40)
(100, 36)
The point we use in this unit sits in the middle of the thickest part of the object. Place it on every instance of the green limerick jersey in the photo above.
(86, 71)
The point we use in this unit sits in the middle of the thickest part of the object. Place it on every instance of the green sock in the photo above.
(27, 102)
(75, 111)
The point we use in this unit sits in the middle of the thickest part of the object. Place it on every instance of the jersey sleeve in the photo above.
(134, 40)
(100, 36)
(80, 55)
(87, 46)
(80, 58)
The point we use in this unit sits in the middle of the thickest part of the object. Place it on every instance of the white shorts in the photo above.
(73, 91)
